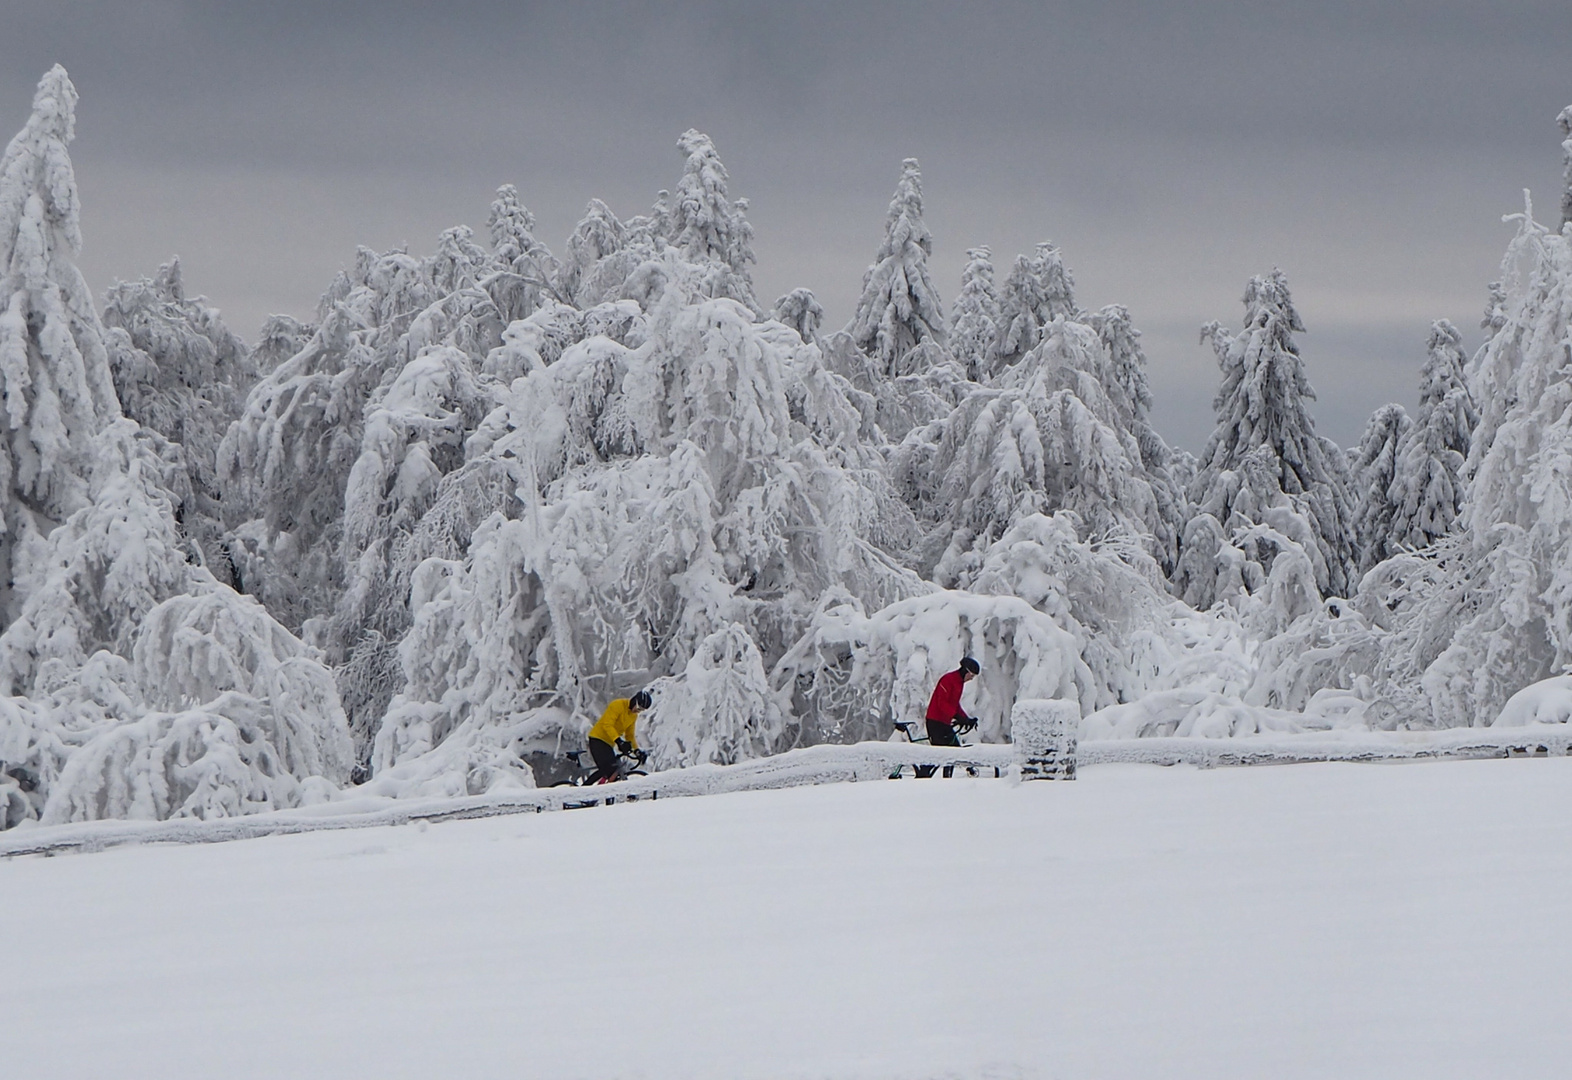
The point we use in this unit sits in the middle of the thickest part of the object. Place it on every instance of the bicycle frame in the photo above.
(626, 767)
(924, 771)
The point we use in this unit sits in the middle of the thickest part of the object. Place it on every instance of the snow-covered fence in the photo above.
(812, 765)
(1044, 732)
(1542, 740)
(795, 768)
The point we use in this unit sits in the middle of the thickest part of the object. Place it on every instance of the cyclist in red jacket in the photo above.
(944, 708)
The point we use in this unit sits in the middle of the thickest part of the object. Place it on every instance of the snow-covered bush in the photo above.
(852, 674)
(1108, 593)
(720, 710)
(255, 722)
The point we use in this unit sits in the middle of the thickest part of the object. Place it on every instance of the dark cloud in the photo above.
(1172, 150)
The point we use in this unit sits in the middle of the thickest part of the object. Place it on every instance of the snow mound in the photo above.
(1188, 712)
(1548, 701)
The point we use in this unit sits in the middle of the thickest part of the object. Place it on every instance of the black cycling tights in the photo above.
(605, 760)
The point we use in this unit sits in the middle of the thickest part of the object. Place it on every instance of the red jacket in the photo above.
(946, 701)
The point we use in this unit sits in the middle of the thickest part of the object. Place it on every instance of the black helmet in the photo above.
(970, 665)
(640, 701)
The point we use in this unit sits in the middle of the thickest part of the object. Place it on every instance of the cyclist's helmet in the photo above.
(969, 665)
(640, 701)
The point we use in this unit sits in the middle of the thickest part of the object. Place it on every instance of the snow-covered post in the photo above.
(1044, 733)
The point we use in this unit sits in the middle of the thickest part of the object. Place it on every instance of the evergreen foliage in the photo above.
(899, 308)
(1428, 489)
(1039, 289)
(1264, 464)
(1378, 480)
(974, 321)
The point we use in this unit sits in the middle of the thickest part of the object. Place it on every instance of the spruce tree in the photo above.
(1499, 615)
(179, 371)
(54, 370)
(800, 310)
(1427, 494)
(1125, 371)
(526, 266)
(597, 237)
(1263, 420)
(1038, 290)
(1377, 471)
(899, 308)
(974, 321)
(706, 226)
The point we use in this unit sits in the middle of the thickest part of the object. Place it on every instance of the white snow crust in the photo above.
(1334, 920)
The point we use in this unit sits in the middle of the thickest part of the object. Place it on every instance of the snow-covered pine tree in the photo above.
(1377, 473)
(707, 227)
(1264, 463)
(1124, 373)
(1054, 432)
(284, 465)
(1038, 290)
(648, 231)
(899, 308)
(526, 269)
(592, 272)
(974, 320)
(179, 371)
(1499, 615)
(1427, 493)
(800, 310)
(144, 688)
(287, 460)
(281, 337)
(54, 374)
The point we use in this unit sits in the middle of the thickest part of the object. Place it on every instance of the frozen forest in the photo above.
(413, 545)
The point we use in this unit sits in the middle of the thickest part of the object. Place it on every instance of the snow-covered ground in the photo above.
(1330, 920)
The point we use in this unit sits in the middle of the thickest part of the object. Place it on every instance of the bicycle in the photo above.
(627, 765)
(923, 772)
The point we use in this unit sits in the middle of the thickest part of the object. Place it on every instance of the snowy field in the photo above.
(1330, 920)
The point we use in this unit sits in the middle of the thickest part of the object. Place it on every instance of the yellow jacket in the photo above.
(616, 723)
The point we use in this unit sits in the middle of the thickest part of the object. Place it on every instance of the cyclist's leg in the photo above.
(942, 733)
(605, 761)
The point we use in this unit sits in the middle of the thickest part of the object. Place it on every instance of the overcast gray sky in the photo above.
(1172, 150)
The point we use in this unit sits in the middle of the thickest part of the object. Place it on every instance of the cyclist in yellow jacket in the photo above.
(615, 729)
